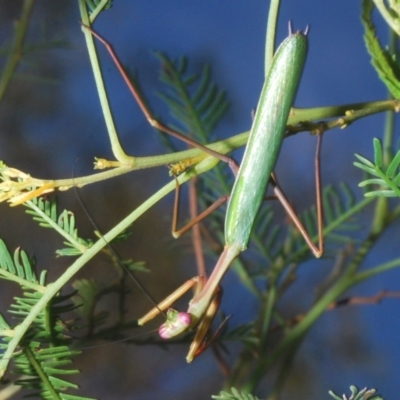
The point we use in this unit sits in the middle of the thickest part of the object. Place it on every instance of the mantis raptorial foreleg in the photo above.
(147, 113)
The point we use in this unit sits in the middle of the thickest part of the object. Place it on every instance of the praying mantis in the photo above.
(260, 156)
(255, 172)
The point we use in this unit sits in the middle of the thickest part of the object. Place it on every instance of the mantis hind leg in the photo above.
(317, 250)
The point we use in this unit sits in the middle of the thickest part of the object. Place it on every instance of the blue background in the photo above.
(51, 129)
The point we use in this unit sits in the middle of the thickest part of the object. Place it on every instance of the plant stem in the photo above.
(53, 288)
(271, 34)
(16, 51)
(116, 147)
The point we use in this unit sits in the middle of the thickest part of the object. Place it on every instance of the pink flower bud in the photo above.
(174, 326)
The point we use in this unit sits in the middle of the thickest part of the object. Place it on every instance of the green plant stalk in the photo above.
(269, 306)
(39, 370)
(273, 296)
(55, 287)
(358, 110)
(382, 211)
(379, 269)
(298, 332)
(116, 147)
(245, 278)
(390, 120)
(224, 147)
(121, 156)
(348, 113)
(273, 14)
(16, 51)
(340, 287)
(95, 13)
(285, 368)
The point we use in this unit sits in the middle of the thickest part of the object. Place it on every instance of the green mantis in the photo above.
(266, 136)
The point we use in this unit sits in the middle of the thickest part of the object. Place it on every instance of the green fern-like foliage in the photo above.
(384, 62)
(194, 101)
(234, 395)
(18, 267)
(197, 105)
(364, 394)
(42, 370)
(45, 212)
(44, 355)
(92, 4)
(386, 178)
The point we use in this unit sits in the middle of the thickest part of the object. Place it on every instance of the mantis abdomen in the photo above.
(266, 136)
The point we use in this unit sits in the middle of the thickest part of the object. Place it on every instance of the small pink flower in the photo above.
(175, 325)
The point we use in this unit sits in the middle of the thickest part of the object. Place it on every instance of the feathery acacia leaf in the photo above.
(44, 211)
(363, 394)
(234, 395)
(194, 101)
(18, 267)
(383, 61)
(387, 177)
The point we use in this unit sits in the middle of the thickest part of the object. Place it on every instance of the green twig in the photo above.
(271, 34)
(55, 287)
(117, 149)
(16, 51)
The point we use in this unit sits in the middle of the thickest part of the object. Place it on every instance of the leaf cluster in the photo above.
(44, 350)
(385, 60)
(363, 394)
(234, 395)
(43, 357)
(386, 178)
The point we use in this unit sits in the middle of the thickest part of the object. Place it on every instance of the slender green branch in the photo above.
(271, 34)
(269, 305)
(9, 189)
(24, 183)
(348, 113)
(16, 51)
(347, 280)
(100, 7)
(116, 147)
(390, 117)
(55, 287)
(297, 333)
(43, 376)
(371, 272)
